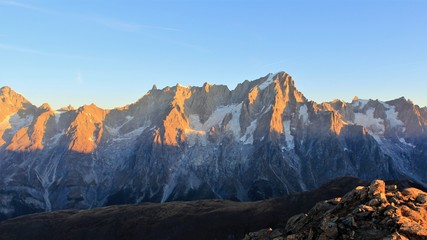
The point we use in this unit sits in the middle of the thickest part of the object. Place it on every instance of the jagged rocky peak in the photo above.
(10, 97)
(338, 103)
(89, 106)
(92, 112)
(359, 103)
(410, 115)
(86, 130)
(45, 107)
(266, 87)
(374, 212)
(175, 121)
(7, 91)
(206, 86)
(31, 138)
(285, 87)
(287, 103)
(11, 102)
(67, 108)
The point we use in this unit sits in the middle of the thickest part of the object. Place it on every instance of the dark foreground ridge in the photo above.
(204, 219)
(374, 212)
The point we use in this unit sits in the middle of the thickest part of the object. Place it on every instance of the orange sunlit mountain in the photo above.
(261, 140)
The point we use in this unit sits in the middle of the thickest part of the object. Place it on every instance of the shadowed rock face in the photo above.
(261, 140)
(367, 212)
(203, 219)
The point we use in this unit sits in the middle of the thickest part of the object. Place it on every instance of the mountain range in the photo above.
(263, 139)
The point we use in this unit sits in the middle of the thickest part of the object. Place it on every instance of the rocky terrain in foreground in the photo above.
(374, 212)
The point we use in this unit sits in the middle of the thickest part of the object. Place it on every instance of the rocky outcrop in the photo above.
(374, 212)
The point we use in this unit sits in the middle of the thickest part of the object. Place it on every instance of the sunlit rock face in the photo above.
(261, 140)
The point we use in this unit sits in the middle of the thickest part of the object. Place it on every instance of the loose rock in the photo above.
(374, 212)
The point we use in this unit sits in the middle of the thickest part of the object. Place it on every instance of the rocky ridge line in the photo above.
(374, 212)
(262, 140)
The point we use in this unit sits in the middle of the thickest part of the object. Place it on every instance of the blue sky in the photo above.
(112, 52)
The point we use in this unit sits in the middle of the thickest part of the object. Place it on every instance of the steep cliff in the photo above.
(261, 140)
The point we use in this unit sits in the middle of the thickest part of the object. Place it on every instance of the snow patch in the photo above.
(216, 119)
(55, 139)
(288, 137)
(195, 123)
(131, 135)
(303, 114)
(402, 140)
(248, 138)
(15, 122)
(114, 131)
(392, 116)
(265, 110)
(377, 138)
(58, 115)
(375, 126)
(267, 82)
(234, 124)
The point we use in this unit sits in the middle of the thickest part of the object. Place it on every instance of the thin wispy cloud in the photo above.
(21, 49)
(115, 24)
(106, 22)
(129, 27)
(132, 27)
(24, 6)
(180, 43)
(190, 45)
(18, 4)
(118, 25)
(161, 28)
